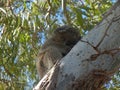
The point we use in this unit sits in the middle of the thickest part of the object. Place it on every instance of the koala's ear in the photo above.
(63, 28)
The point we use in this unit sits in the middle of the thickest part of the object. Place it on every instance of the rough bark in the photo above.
(92, 61)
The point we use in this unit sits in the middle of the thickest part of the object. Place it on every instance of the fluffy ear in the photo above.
(65, 28)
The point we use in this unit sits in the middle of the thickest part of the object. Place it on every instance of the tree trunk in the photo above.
(92, 61)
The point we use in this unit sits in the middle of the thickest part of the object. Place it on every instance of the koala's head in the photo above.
(68, 34)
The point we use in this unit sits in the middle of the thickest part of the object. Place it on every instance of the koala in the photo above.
(56, 47)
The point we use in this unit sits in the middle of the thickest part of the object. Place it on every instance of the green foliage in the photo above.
(24, 25)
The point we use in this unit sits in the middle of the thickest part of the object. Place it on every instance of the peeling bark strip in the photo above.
(92, 61)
